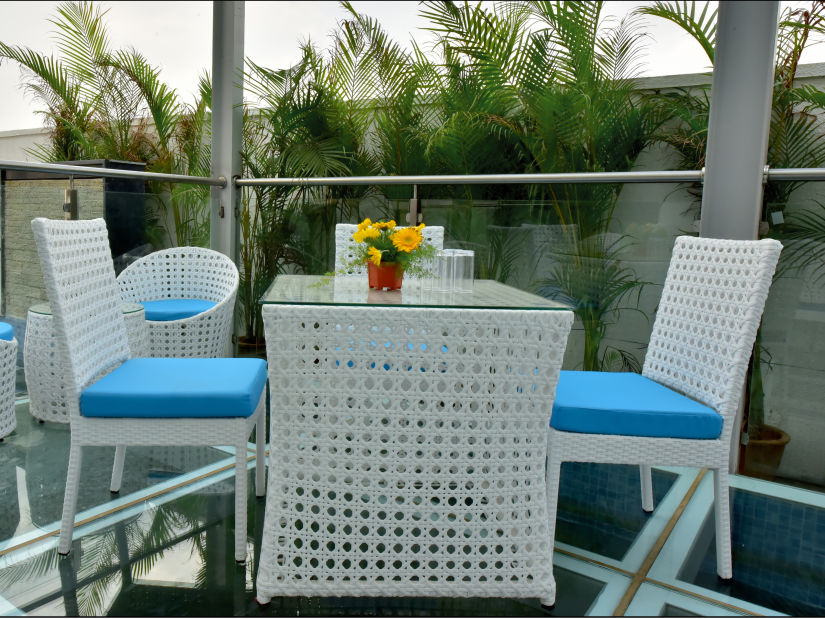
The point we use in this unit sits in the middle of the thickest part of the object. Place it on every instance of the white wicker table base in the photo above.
(43, 369)
(8, 371)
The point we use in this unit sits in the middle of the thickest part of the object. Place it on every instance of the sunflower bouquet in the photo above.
(382, 243)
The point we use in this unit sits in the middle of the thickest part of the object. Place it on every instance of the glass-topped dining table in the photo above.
(354, 291)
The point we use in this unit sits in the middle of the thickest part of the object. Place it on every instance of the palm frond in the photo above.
(701, 26)
(161, 101)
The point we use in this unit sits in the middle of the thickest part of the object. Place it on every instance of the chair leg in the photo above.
(70, 499)
(117, 469)
(552, 476)
(724, 561)
(647, 487)
(260, 454)
(240, 501)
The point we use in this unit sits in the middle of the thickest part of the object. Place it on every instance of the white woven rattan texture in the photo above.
(43, 366)
(185, 273)
(708, 315)
(408, 451)
(85, 301)
(80, 280)
(8, 372)
(711, 305)
(345, 246)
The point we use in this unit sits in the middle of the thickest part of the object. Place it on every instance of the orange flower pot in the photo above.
(387, 276)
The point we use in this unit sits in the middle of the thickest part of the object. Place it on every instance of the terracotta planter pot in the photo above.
(764, 454)
(387, 276)
(251, 347)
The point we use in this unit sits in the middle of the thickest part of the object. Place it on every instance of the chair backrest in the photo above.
(711, 306)
(345, 246)
(84, 298)
(408, 443)
(180, 273)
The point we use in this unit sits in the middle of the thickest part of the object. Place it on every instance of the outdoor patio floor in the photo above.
(164, 545)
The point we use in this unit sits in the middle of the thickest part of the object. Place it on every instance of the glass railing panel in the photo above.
(602, 248)
(787, 387)
(140, 219)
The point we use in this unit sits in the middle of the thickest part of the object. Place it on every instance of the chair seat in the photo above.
(629, 404)
(163, 310)
(173, 388)
(6, 331)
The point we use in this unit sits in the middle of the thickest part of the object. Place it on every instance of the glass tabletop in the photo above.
(354, 290)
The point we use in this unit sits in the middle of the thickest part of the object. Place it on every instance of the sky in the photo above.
(177, 38)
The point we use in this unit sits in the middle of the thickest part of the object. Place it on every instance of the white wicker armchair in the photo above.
(8, 376)
(681, 410)
(116, 400)
(407, 452)
(192, 273)
(344, 245)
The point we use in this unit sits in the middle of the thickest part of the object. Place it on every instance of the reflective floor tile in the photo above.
(778, 554)
(177, 559)
(600, 506)
(33, 463)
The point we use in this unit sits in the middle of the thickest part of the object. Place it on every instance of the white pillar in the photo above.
(738, 130)
(227, 116)
(740, 112)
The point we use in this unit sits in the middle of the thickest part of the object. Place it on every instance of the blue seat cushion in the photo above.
(630, 405)
(163, 310)
(6, 331)
(177, 388)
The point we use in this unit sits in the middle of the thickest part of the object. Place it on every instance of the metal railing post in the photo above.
(227, 116)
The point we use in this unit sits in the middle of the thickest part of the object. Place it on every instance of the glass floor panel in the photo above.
(164, 546)
(33, 463)
(778, 554)
(600, 506)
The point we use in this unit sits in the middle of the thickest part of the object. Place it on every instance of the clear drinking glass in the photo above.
(463, 264)
(444, 270)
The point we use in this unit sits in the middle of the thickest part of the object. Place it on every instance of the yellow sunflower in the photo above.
(359, 236)
(385, 225)
(420, 227)
(365, 224)
(375, 255)
(406, 239)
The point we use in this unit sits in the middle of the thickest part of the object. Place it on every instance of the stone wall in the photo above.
(24, 200)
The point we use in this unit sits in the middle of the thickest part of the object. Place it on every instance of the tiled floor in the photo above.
(164, 546)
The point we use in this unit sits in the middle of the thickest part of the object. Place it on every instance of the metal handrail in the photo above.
(638, 176)
(79, 170)
(646, 176)
(659, 176)
(796, 174)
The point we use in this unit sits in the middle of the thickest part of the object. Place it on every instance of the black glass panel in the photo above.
(778, 554)
(674, 611)
(600, 506)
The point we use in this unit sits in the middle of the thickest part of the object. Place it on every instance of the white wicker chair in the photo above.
(693, 374)
(408, 450)
(345, 246)
(185, 273)
(115, 400)
(8, 376)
